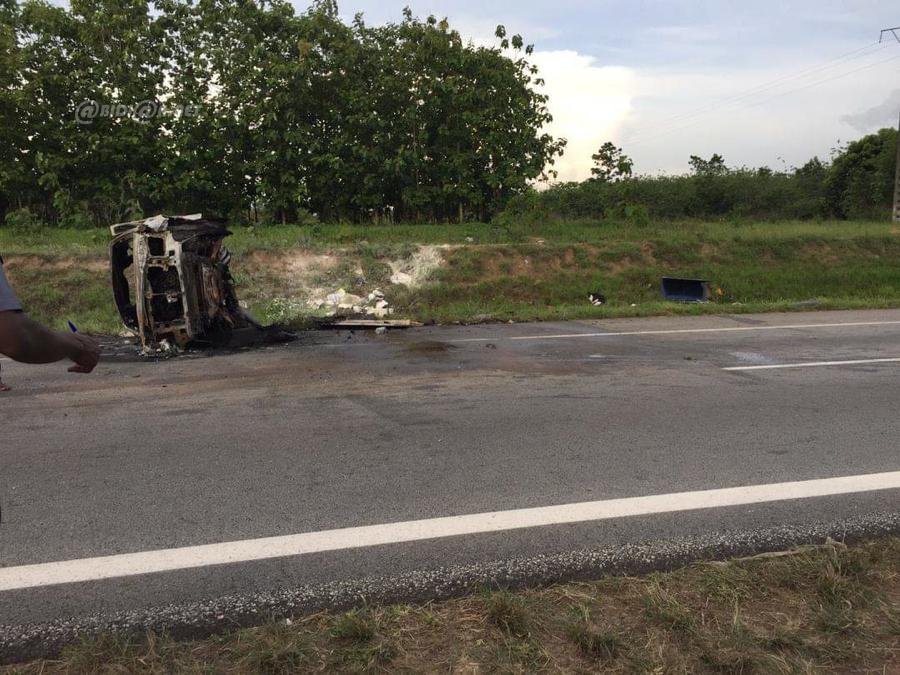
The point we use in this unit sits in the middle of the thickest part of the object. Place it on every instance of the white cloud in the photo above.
(882, 115)
(780, 126)
(589, 103)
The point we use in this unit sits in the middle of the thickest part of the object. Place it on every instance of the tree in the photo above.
(860, 182)
(714, 166)
(97, 53)
(611, 164)
(13, 181)
(288, 112)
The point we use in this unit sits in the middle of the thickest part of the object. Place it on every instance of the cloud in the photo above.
(686, 33)
(883, 115)
(589, 102)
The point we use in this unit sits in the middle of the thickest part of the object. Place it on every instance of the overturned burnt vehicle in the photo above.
(172, 284)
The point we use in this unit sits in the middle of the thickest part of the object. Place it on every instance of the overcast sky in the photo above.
(621, 70)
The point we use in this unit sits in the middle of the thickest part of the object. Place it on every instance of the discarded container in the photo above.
(685, 290)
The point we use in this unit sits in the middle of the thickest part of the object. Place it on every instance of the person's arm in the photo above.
(27, 341)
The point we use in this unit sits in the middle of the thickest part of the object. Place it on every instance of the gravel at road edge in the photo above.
(196, 620)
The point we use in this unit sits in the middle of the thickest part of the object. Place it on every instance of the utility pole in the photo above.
(895, 31)
(897, 181)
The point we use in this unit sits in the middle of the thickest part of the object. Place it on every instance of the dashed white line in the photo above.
(678, 331)
(148, 562)
(813, 364)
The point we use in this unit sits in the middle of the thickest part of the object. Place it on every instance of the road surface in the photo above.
(221, 488)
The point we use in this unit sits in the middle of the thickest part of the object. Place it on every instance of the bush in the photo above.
(858, 184)
(23, 220)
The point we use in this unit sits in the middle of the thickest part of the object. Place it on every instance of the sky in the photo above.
(761, 83)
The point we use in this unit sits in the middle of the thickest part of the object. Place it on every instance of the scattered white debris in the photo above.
(416, 270)
(401, 278)
(340, 301)
(381, 330)
(335, 298)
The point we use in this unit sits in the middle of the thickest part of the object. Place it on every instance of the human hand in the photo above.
(86, 353)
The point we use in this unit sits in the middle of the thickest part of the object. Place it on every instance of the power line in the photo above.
(892, 31)
(828, 79)
(765, 86)
(690, 120)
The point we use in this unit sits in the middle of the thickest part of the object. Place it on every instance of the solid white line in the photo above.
(678, 331)
(813, 364)
(131, 564)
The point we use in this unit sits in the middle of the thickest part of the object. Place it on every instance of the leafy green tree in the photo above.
(714, 166)
(261, 113)
(97, 51)
(860, 183)
(13, 180)
(611, 164)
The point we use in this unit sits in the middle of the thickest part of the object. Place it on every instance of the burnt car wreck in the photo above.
(172, 285)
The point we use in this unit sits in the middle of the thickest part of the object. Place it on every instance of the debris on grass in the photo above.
(416, 270)
(685, 290)
(342, 303)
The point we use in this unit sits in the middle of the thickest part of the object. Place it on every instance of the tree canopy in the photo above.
(251, 110)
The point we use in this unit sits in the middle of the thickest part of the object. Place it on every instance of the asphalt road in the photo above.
(215, 456)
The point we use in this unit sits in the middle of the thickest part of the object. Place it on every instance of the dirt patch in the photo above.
(819, 252)
(648, 250)
(618, 267)
(295, 263)
(503, 263)
(708, 251)
(33, 262)
(418, 268)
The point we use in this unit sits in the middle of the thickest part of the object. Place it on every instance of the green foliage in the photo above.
(714, 166)
(611, 164)
(23, 220)
(857, 184)
(861, 181)
(270, 115)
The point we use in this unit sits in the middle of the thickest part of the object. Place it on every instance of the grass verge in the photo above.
(493, 273)
(826, 609)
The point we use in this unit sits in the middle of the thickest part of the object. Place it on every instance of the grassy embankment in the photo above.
(496, 273)
(828, 609)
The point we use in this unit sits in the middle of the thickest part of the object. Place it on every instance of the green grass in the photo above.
(819, 609)
(55, 241)
(55, 295)
(513, 273)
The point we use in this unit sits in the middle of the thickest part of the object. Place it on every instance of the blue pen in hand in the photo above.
(72, 327)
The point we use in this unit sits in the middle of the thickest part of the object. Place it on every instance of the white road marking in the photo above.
(680, 331)
(813, 364)
(147, 562)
